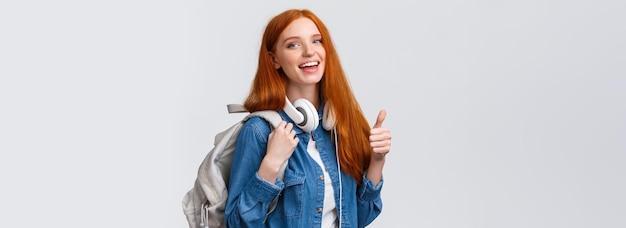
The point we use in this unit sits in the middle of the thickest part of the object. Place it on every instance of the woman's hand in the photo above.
(380, 142)
(281, 144)
(380, 138)
(282, 141)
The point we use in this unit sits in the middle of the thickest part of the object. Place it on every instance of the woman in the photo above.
(334, 172)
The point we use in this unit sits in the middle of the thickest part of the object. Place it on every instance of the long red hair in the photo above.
(268, 92)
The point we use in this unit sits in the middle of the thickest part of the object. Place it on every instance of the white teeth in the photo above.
(309, 64)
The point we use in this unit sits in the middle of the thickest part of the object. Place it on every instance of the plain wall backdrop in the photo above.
(503, 113)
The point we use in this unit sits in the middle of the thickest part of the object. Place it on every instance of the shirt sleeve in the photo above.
(369, 203)
(249, 195)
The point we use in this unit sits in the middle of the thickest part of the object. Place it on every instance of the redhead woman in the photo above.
(333, 176)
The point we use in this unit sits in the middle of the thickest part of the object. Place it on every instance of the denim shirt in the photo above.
(301, 193)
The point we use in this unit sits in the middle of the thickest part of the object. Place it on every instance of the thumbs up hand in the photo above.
(380, 138)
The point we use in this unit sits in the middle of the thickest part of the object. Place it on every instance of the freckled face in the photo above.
(299, 52)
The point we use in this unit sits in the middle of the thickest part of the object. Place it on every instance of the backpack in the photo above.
(205, 203)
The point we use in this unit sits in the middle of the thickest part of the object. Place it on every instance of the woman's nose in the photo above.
(308, 50)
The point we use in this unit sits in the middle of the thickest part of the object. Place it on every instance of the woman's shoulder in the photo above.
(258, 126)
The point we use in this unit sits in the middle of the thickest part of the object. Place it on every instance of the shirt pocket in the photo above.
(293, 194)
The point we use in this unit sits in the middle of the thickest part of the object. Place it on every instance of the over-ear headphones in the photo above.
(304, 114)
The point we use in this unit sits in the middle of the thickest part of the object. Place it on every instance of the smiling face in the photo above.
(299, 53)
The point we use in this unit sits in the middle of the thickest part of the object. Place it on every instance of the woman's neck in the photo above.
(311, 94)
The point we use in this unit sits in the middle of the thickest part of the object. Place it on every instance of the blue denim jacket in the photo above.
(301, 193)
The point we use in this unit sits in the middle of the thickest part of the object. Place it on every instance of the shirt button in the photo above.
(319, 210)
(321, 177)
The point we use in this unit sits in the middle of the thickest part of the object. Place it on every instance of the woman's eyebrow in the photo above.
(290, 38)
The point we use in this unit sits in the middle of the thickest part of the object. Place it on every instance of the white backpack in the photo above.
(205, 203)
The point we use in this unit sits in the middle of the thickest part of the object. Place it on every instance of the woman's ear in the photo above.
(273, 58)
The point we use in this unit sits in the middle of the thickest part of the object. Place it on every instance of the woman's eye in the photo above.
(317, 41)
(293, 45)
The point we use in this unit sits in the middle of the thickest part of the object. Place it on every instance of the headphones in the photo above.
(304, 114)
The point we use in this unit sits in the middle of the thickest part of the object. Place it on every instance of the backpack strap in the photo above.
(269, 115)
(236, 108)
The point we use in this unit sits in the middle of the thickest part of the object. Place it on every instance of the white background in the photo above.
(503, 114)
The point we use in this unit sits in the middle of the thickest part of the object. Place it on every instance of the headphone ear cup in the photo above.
(293, 113)
(311, 118)
(328, 120)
